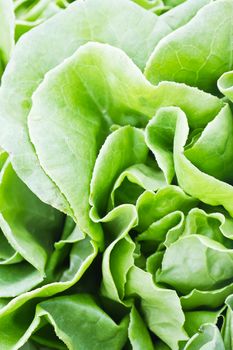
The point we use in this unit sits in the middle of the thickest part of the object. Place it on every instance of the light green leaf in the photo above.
(159, 138)
(195, 319)
(158, 230)
(215, 158)
(7, 254)
(173, 3)
(183, 13)
(29, 225)
(87, 326)
(117, 261)
(79, 23)
(196, 262)
(7, 23)
(211, 299)
(155, 6)
(192, 180)
(118, 256)
(199, 107)
(208, 338)
(208, 36)
(227, 331)
(122, 149)
(133, 181)
(14, 324)
(138, 334)
(18, 278)
(214, 225)
(225, 84)
(159, 306)
(154, 206)
(65, 33)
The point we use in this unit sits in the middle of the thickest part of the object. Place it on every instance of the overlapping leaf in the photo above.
(117, 193)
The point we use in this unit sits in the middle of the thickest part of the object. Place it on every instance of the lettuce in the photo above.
(30, 13)
(116, 211)
(19, 16)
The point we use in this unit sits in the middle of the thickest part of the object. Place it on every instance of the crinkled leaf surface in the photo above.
(139, 253)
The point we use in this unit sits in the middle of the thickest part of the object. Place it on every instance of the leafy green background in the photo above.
(116, 210)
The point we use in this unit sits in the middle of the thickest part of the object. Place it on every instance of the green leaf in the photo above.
(199, 107)
(7, 23)
(29, 225)
(159, 306)
(161, 129)
(118, 256)
(192, 180)
(208, 337)
(65, 32)
(7, 254)
(211, 299)
(225, 84)
(196, 262)
(87, 325)
(30, 346)
(14, 324)
(159, 229)
(173, 3)
(143, 173)
(208, 38)
(117, 261)
(183, 13)
(133, 181)
(195, 319)
(214, 225)
(227, 331)
(159, 137)
(138, 334)
(122, 149)
(154, 206)
(215, 158)
(18, 278)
